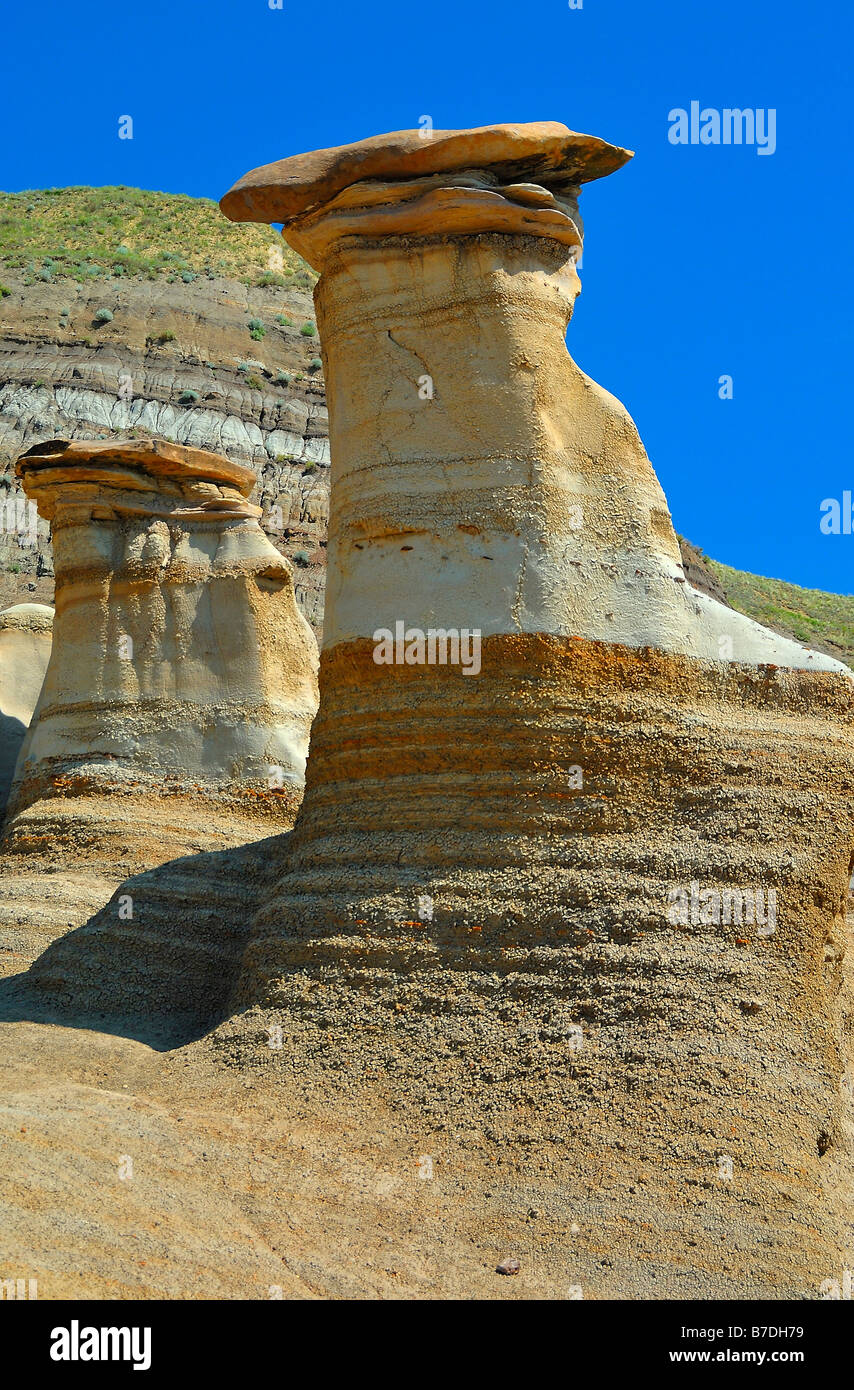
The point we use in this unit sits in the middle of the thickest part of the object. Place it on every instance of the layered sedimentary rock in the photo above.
(25, 638)
(176, 362)
(597, 869)
(182, 680)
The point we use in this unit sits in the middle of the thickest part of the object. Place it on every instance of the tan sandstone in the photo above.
(477, 899)
(25, 639)
(182, 680)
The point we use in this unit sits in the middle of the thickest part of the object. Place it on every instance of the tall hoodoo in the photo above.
(506, 835)
(181, 671)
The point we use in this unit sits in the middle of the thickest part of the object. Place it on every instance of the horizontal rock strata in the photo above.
(492, 892)
(494, 933)
(25, 640)
(176, 361)
(181, 668)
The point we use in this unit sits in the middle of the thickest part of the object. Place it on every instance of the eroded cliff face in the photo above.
(175, 361)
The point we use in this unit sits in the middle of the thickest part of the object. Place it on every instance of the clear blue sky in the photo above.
(699, 260)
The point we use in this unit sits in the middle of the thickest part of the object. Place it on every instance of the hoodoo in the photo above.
(601, 879)
(182, 680)
(25, 637)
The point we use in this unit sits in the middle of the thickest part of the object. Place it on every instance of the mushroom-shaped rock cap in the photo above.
(545, 151)
(156, 457)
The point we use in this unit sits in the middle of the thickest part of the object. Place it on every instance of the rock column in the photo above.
(182, 679)
(507, 877)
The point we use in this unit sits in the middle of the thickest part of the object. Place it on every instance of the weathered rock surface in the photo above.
(181, 668)
(25, 638)
(53, 383)
(168, 364)
(291, 188)
(477, 898)
(610, 1077)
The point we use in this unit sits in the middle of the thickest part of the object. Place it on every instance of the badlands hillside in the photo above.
(184, 288)
(134, 313)
(553, 1078)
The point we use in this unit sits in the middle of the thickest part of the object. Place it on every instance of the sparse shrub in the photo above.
(255, 382)
(310, 466)
(15, 568)
(104, 316)
(301, 558)
(308, 330)
(188, 397)
(87, 342)
(269, 277)
(257, 334)
(4, 290)
(255, 324)
(284, 321)
(315, 364)
(188, 276)
(243, 366)
(283, 378)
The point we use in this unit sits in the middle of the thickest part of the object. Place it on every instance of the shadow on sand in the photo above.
(158, 962)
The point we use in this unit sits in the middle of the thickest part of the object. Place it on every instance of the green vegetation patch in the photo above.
(109, 233)
(820, 620)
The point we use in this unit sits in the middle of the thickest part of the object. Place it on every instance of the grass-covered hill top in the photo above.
(100, 233)
(821, 620)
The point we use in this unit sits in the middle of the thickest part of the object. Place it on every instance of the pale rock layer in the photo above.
(25, 641)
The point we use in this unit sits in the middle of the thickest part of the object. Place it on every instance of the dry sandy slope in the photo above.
(238, 1189)
(242, 1188)
(258, 1169)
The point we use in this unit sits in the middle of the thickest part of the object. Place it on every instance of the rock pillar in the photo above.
(575, 837)
(182, 680)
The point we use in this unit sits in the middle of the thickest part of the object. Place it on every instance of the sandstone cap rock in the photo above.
(544, 150)
(158, 457)
(209, 482)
